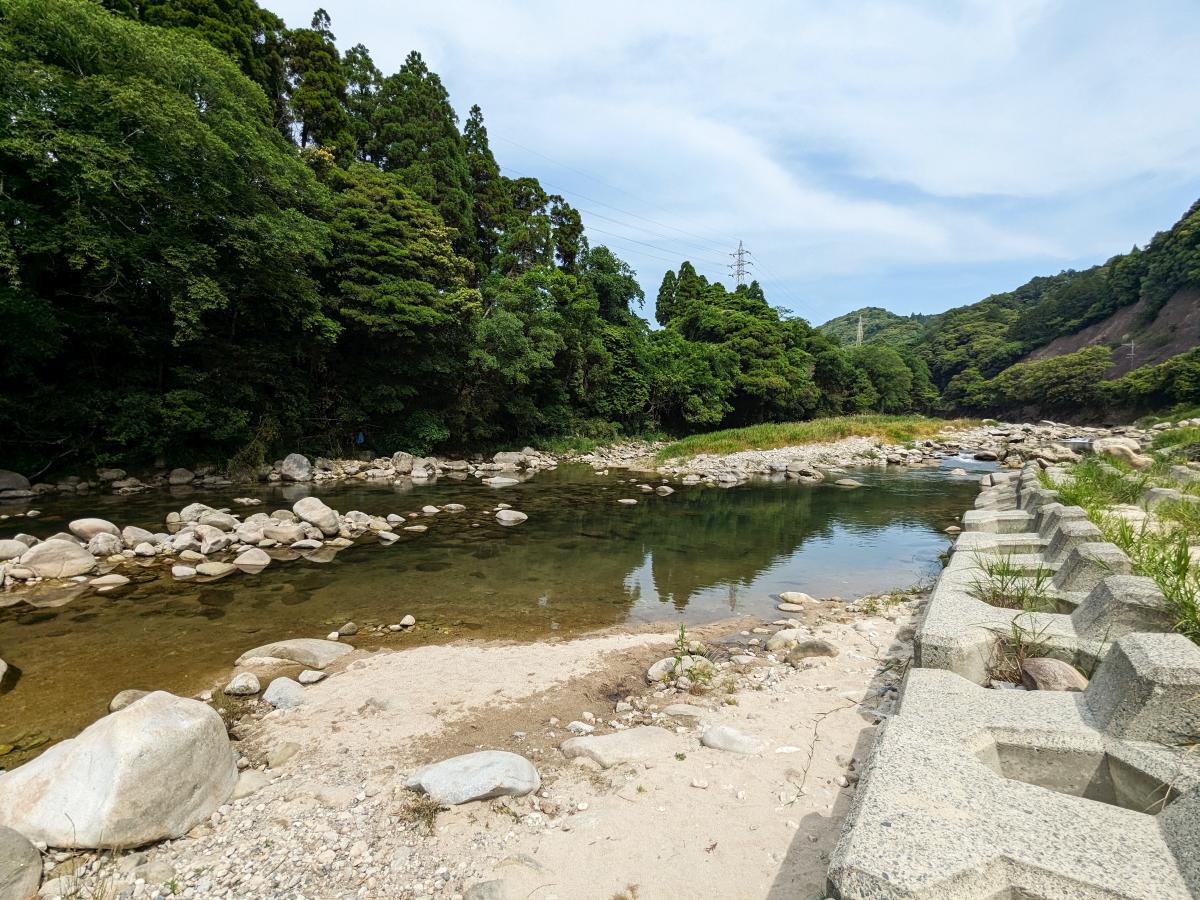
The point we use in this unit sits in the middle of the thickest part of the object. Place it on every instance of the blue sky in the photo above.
(915, 156)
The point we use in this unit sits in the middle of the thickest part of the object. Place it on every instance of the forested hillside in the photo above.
(224, 239)
(982, 357)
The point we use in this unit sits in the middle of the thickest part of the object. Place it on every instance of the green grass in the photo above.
(1096, 486)
(1176, 437)
(1008, 586)
(893, 429)
(1176, 415)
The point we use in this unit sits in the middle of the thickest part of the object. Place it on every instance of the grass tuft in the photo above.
(771, 436)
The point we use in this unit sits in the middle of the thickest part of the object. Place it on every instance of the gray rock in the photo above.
(86, 529)
(284, 533)
(796, 597)
(348, 630)
(730, 740)
(182, 572)
(13, 481)
(669, 667)
(1047, 674)
(20, 866)
(166, 765)
(180, 476)
(125, 698)
(281, 753)
(312, 652)
(314, 511)
(244, 684)
(215, 569)
(476, 776)
(848, 482)
(131, 536)
(685, 711)
(310, 676)
(510, 517)
(58, 559)
(645, 743)
(109, 581)
(222, 520)
(402, 462)
(296, 468)
(105, 545)
(252, 560)
(806, 649)
(408, 621)
(283, 693)
(145, 549)
(496, 889)
(249, 782)
(11, 549)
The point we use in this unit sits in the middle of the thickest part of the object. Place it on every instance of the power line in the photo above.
(739, 265)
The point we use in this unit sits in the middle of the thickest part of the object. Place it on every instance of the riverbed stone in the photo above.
(244, 684)
(180, 476)
(315, 511)
(810, 648)
(109, 581)
(13, 481)
(215, 569)
(283, 693)
(796, 597)
(284, 533)
(105, 545)
(731, 740)
(11, 549)
(253, 560)
(312, 652)
(1047, 674)
(86, 529)
(183, 572)
(131, 536)
(124, 698)
(644, 743)
(310, 676)
(848, 482)
(249, 782)
(476, 776)
(510, 517)
(150, 772)
(58, 559)
(402, 462)
(296, 467)
(20, 866)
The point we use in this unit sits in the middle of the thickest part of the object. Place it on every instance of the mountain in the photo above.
(879, 326)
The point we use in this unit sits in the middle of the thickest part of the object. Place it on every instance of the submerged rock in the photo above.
(476, 776)
(150, 772)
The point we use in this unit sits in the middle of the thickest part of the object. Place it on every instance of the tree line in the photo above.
(224, 238)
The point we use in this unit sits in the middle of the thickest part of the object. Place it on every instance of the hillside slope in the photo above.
(1175, 330)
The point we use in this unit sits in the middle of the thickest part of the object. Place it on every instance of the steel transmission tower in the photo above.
(740, 264)
(858, 340)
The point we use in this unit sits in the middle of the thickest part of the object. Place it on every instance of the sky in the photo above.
(915, 156)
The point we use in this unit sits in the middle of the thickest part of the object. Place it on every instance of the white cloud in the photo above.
(836, 138)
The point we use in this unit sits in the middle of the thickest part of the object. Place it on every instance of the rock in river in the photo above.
(296, 467)
(150, 772)
(86, 529)
(312, 652)
(243, 685)
(58, 559)
(510, 517)
(476, 776)
(314, 511)
(252, 560)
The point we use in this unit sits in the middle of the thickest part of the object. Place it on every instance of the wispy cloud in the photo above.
(979, 142)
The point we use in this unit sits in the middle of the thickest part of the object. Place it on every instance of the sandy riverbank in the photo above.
(335, 820)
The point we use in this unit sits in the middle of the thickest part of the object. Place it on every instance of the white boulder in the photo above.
(58, 559)
(151, 772)
(86, 529)
(476, 776)
(314, 511)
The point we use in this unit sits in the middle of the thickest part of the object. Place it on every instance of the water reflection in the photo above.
(582, 561)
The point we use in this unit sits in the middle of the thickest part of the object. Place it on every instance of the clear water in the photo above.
(582, 561)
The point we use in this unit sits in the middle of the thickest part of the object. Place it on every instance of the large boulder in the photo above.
(402, 462)
(11, 549)
(20, 866)
(132, 535)
(151, 772)
(1125, 449)
(296, 467)
(180, 476)
(314, 511)
(13, 481)
(312, 652)
(86, 529)
(58, 559)
(283, 693)
(105, 544)
(476, 776)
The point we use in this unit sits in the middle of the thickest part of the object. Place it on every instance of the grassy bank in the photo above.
(893, 429)
(1160, 548)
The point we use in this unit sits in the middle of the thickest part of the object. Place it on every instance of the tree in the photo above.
(363, 79)
(491, 204)
(318, 88)
(416, 136)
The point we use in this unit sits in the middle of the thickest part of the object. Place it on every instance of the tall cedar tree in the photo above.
(318, 88)
(491, 203)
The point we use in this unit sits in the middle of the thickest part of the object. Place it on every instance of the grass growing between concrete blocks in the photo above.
(1159, 547)
(771, 436)
(1008, 586)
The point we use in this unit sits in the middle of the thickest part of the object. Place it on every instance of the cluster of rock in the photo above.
(293, 468)
(1010, 445)
(203, 542)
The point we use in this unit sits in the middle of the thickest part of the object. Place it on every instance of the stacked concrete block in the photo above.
(981, 793)
(975, 793)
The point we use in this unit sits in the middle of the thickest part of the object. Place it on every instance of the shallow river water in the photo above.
(582, 561)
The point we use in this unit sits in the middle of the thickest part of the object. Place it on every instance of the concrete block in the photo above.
(1089, 564)
(1148, 689)
(1121, 604)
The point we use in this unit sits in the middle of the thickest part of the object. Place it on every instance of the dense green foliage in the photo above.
(879, 326)
(226, 238)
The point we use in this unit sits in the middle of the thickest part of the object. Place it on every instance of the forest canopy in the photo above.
(225, 238)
